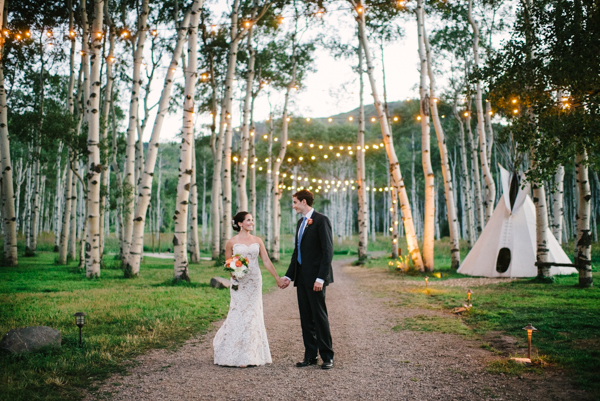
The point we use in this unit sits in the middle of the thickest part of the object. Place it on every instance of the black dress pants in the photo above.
(314, 321)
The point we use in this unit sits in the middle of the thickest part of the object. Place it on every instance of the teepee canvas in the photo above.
(506, 247)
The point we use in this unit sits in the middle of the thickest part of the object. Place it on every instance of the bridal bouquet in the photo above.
(237, 265)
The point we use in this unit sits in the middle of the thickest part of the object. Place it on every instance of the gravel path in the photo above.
(373, 361)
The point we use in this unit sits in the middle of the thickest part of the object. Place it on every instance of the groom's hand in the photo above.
(284, 283)
(318, 286)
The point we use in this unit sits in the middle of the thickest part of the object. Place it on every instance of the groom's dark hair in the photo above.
(305, 194)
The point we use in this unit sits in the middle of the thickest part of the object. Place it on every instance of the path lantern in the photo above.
(80, 322)
(426, 281)
(530, 329)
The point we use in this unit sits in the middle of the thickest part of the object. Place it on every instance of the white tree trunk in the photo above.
(8, 197)
(467, 190)
(411, 238)
(490, 131)
(130, 153)
(74, 204)
(57, 198)
(245, 137)
(181, 265)
(227, 127)
(541, 215)
(363, 218)
(194, 244)
(429, 218)
(557, 203)
(490, 190)
(269, 187)
(584, 240)
(276, 191)
(446, 172)
(144, 190)
(475, 172)
(108, 98)
(94, 169)
(66, 217)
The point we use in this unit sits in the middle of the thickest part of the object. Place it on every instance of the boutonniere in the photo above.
(309, 222)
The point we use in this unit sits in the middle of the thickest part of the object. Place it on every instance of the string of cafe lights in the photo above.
(343, 150)
(323, 184)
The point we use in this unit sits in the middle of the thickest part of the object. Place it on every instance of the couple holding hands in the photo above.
(242, 339)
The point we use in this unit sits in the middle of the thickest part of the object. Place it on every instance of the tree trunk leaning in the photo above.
(130, 153)
(409, 228)
(446, 172)
(144, 189)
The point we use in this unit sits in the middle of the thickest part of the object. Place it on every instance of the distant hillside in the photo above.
(342, 118)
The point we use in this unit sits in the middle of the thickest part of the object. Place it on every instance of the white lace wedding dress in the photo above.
(242, 340)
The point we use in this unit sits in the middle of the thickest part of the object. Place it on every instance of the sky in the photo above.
(333, 88)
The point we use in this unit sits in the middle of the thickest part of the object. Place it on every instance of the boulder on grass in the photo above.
(30, 339)
(219, 282)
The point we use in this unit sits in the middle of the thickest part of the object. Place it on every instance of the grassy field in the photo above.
(126, 317)
(567, 317)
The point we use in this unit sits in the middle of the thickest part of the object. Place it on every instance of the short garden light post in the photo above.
(80, 322)
(426, 281)
(530, 329)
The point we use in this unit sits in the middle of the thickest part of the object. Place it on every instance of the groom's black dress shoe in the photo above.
(327, 365)
(306, 362)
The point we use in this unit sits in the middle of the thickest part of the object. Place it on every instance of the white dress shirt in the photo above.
(308, 215)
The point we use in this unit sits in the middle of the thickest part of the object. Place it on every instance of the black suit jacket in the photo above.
(317, 252)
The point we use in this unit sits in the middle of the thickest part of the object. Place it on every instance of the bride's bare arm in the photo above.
(229, 252)
(229, 249)
(264, 255)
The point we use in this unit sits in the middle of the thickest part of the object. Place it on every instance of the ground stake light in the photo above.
(426, 281)
(530, 329)
(80, 322)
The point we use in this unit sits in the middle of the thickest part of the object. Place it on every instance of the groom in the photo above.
(310, 270)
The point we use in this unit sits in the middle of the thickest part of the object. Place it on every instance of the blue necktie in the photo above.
(300, 233)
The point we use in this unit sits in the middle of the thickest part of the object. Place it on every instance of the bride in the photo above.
(242, 339)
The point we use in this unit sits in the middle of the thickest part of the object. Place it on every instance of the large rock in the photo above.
(219, 282)
(30, 339)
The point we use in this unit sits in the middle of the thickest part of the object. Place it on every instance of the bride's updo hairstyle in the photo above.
(238, 219)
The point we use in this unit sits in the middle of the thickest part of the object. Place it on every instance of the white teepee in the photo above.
(506, 247)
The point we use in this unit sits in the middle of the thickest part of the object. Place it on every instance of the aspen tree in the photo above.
(277, 192)
(411, 238)
(245, 133)
(583, 259)
(8, 199)
(467, 191)
(429, 179)
(490, 190)
(144, 189)
(194, 244)
(363, 218)
(479, 209)
(226, 127)
(130, 153)
(94, 168)
(108, 96)
(557, 203)
(441, 139)
(181, 265)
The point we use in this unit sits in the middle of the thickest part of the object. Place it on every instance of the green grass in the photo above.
(126, 317)
(434, 323)
(567, 317)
